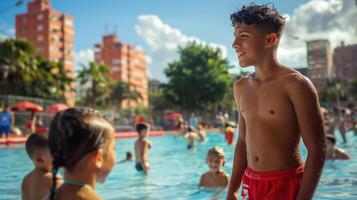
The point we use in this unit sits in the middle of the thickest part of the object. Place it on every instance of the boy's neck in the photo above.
(267, 67)
(42, 170)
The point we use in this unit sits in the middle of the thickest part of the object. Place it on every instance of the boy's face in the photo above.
(43, 159)
(214, 162)
(145, 132)
(249, 44)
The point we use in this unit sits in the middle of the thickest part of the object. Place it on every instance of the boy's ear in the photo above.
(271, 39)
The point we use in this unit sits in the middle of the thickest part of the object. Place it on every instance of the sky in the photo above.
(158, 27)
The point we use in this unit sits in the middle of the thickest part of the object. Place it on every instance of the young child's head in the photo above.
(82, 139)
(37, 149)
(129, 156)
(215, 158)
(143, 129)
(257, 27)
(330, 144)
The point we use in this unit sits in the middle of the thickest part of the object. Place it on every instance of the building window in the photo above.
(55, 30)
(116, 61)
(40, 17)
(115, 69)
(68, 22)
(40, 27)
(55, 39)
(53, 48)
(40, 49)
(68, 62)
(116, 46)
(40, 38)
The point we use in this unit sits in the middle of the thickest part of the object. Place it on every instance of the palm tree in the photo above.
(353, 88)
(123, 91)
(96, 75)
(333, 92)
(16, 63)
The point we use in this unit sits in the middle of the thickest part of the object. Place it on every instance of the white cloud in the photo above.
(334, 20)
(7, 33)
(82, 57)
(164, 41)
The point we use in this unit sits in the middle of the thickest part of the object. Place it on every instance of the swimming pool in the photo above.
(175, 172)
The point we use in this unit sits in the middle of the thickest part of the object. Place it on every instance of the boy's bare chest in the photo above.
(265, 101)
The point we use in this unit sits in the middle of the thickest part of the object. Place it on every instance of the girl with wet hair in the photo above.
(81, 140)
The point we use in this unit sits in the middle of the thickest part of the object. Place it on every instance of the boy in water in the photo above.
(129, 157)
(37, 184)
(215, 177)
(333, 152)
(142, 146)
(191, 137)
(276, 105)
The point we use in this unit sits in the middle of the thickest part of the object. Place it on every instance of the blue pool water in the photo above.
(175, 172)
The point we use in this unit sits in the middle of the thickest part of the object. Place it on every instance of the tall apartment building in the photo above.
(127, 64)
(345, 63)
(319, 60)
(50, 32)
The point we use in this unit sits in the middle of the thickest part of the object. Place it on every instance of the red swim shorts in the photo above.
(283, 184)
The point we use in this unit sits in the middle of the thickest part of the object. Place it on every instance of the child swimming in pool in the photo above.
(81, 140)
(37, 184)
(215, 177)
(142, 146)
(333, 152)
(191, 137)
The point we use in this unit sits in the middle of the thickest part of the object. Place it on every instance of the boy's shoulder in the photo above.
(299, 83)
(242, 81)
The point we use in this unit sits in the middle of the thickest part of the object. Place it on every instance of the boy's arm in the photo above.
(341, 154)
(144, 158)
(24, 187)
(240, 155)
(201, 181)
(304, 98)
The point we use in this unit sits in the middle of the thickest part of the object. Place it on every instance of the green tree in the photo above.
(17, 63)
(96, 77)
(198, 79)
(123, 91)
(51, 81)
(333, 92)
(353, 88)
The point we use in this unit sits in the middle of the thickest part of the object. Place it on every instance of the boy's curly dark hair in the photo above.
(262, 16)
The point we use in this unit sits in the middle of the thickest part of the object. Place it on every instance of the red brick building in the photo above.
(345, 62)
(50, 32)
(127, 64)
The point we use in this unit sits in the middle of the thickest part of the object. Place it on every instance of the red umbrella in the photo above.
(26, 106)
(54, 108)
(174, 115)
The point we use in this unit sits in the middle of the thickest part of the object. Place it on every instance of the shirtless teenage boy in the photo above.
(277, 105)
